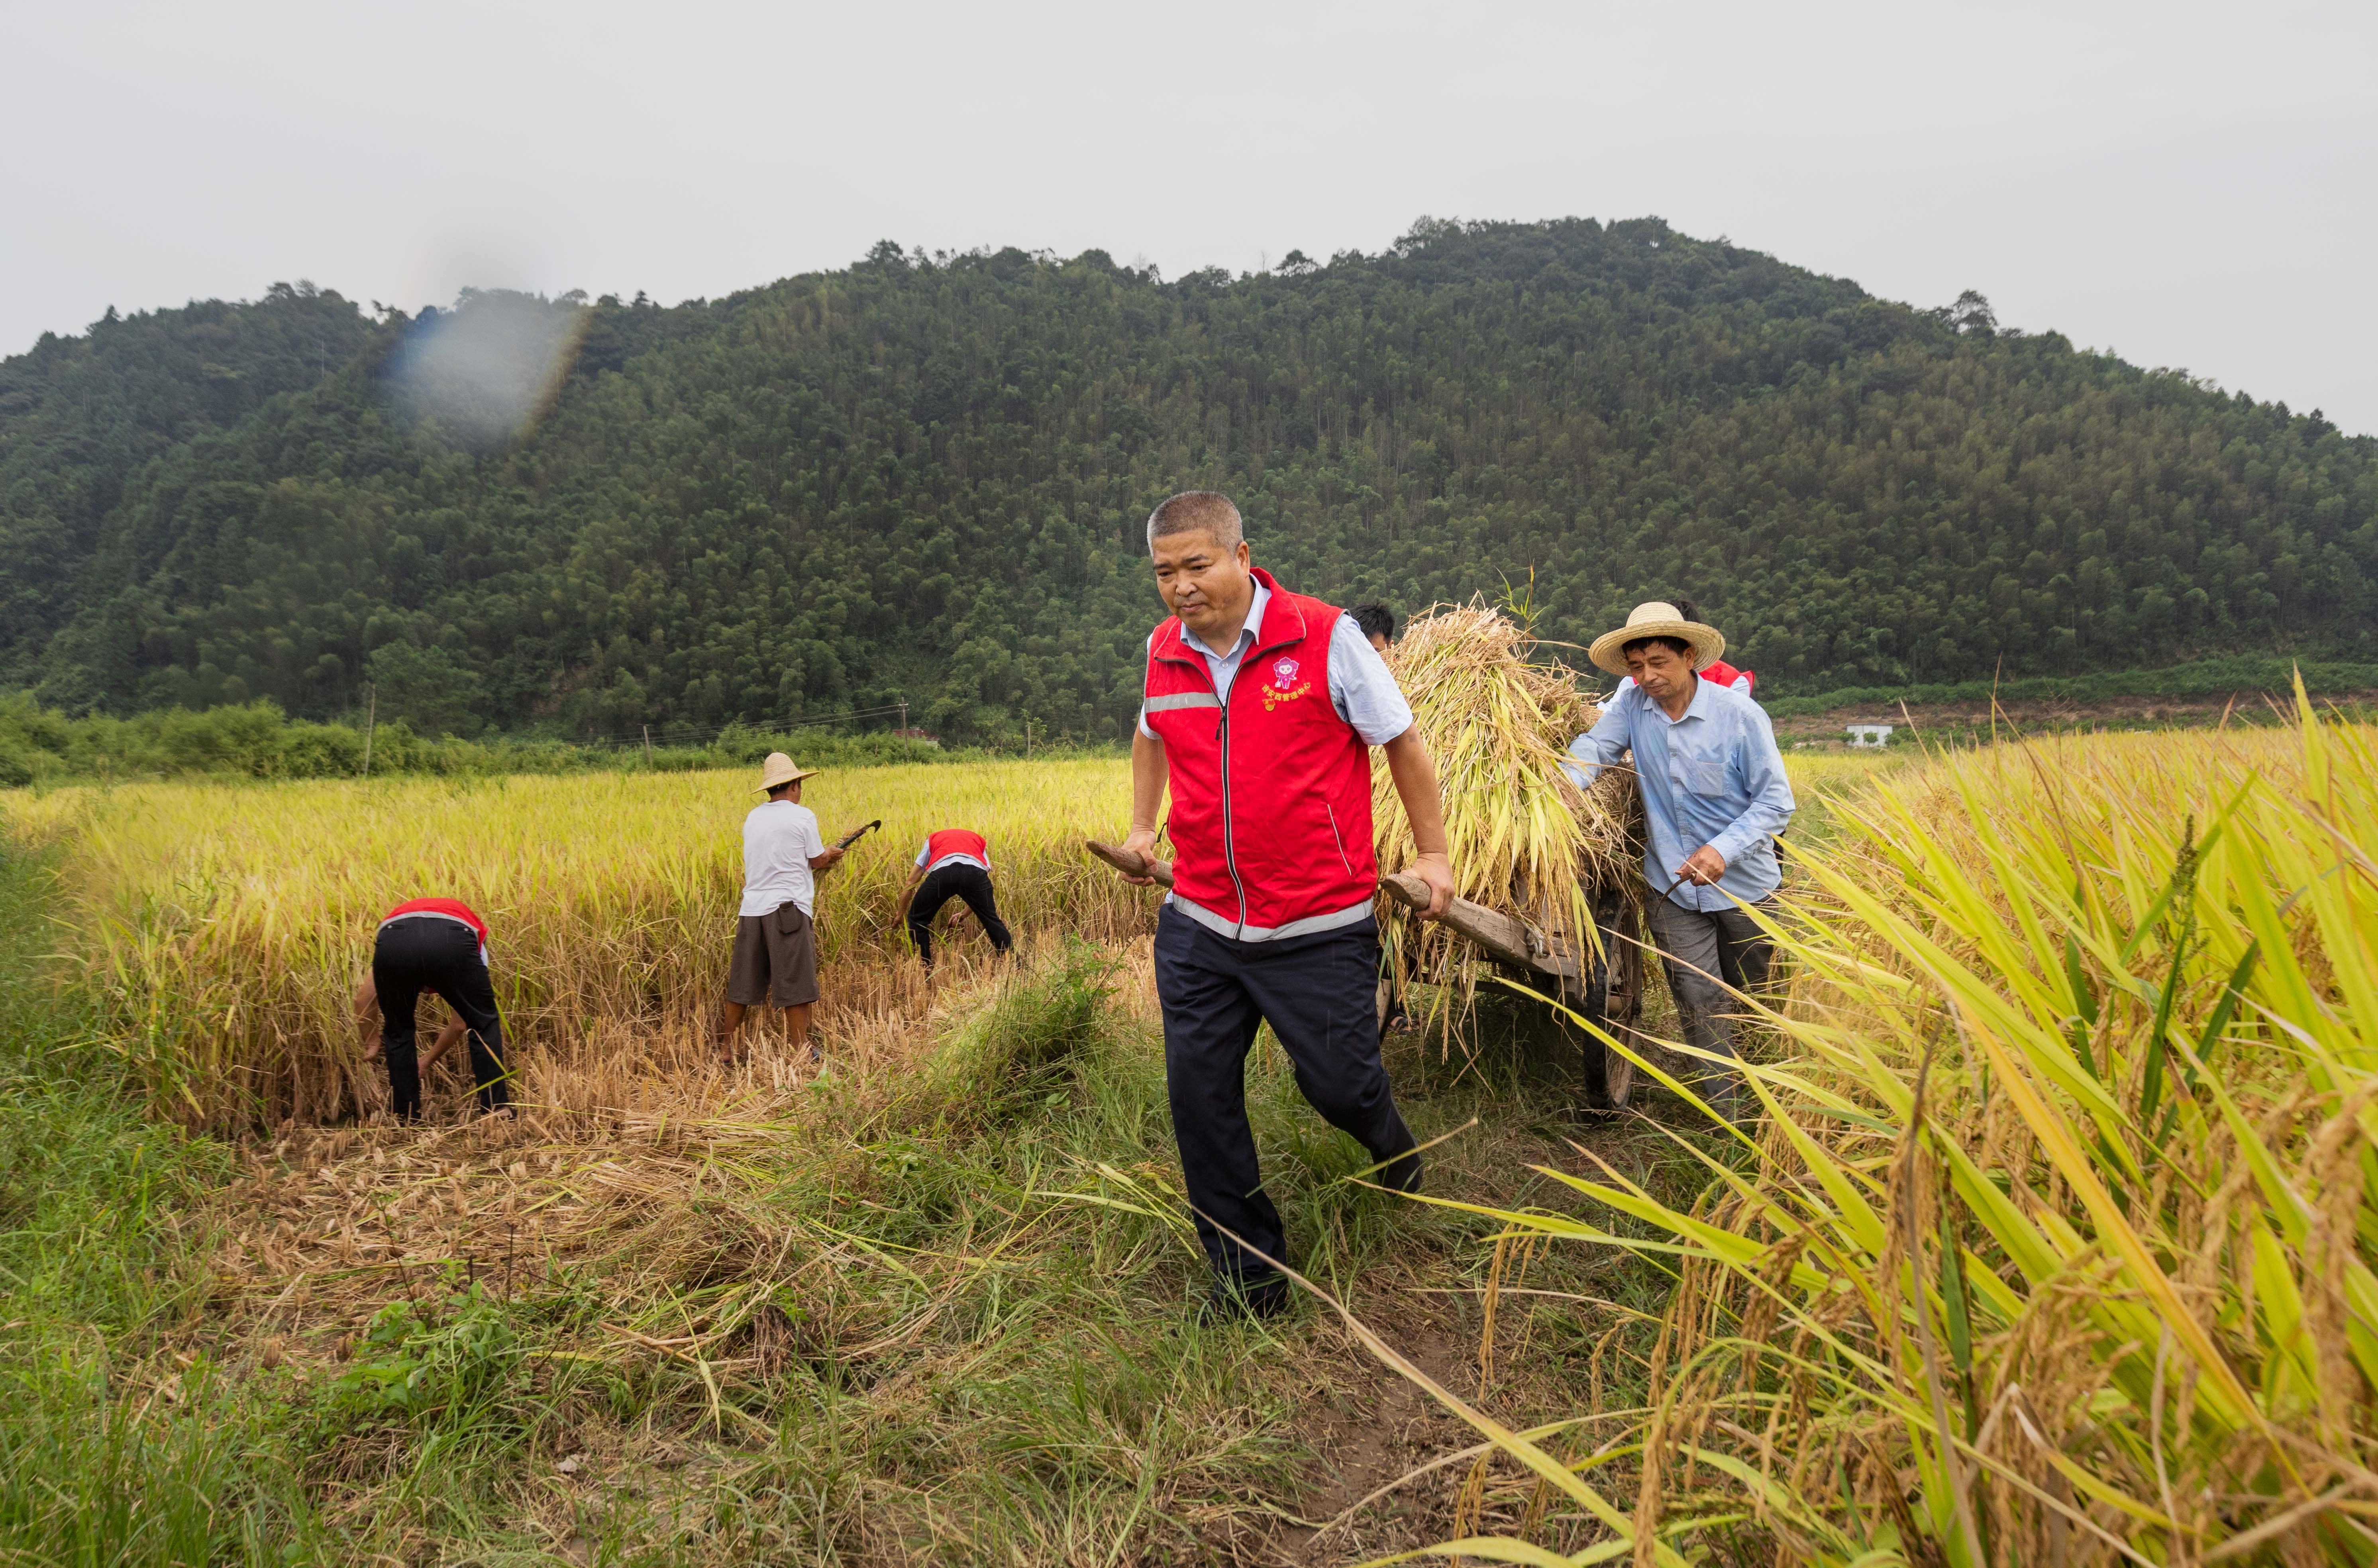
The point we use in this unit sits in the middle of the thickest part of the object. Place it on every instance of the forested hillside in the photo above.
(925, 478)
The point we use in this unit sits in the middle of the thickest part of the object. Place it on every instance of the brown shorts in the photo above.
(775, 959)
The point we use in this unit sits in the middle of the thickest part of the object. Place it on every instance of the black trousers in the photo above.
(943, 883)
(1319, 994)
(425, 954)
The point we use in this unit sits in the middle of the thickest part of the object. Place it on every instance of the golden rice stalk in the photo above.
(224, 925)
(1523, 838)
(2059, 1245)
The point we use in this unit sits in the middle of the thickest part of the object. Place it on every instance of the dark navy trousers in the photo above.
(1319, 993)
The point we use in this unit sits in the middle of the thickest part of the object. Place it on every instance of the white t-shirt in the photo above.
(780, 839)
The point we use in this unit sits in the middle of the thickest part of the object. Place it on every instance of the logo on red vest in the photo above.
(1283, 685)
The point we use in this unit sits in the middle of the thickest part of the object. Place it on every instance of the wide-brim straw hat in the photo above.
(779, 769)
(1657, 619)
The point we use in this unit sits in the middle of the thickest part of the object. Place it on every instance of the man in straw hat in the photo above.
(775, 940)
(1714, 797)
(1261, 707)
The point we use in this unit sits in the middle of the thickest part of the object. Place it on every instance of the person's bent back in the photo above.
(953, 863)
(440, 945)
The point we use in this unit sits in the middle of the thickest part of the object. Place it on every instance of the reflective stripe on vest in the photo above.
(941, 845)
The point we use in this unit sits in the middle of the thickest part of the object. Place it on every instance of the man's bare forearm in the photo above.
(1148, 778)
(1415, 780)
(1414, 776)
(1147, 781)
(444, 1043)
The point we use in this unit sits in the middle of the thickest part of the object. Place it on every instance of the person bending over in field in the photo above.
(434, 944)
(952, 864)
(1378, 624)
(1715, 798)
(776, 937)
(1261, 707)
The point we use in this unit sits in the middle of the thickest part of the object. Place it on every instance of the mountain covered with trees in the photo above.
(924, 479)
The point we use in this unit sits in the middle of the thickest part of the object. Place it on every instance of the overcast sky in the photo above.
(2187, 185)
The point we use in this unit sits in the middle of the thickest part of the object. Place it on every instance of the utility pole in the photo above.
(904, 713)
(648, 745)
(371, 721)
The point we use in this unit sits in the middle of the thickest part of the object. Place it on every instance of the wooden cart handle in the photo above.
(1504, 938)
(1129, 862)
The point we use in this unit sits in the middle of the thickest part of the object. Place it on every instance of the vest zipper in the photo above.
(1229, 844)
(1222, 734)
(1230, 856)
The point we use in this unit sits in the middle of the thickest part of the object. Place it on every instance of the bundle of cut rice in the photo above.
(1523, 838)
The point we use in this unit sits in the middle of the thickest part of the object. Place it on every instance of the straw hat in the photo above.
(1657, 619)
(779, 769)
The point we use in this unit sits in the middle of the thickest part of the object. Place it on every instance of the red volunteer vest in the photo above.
(1725, 674)
(451, 908)
(1271, 795)
(954, 841)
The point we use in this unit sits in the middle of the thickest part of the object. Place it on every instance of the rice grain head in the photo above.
(1523, 838)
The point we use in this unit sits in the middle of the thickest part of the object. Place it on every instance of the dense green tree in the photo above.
(924, 478)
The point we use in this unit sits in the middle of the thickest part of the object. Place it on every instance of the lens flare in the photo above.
(486, 371)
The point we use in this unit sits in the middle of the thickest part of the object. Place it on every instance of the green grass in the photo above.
(41, 746)
(103, 1459)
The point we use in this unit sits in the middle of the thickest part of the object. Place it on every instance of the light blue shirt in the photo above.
(1712, 777)
(1361, 690)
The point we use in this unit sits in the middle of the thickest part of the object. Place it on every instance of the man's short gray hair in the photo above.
(1197, 511)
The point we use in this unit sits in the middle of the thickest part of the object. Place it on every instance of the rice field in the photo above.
(227, 923)
(2059, 1244)
(2056, 1245)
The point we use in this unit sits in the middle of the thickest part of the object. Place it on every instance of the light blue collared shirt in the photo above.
(1712, 777)
(1361, 690)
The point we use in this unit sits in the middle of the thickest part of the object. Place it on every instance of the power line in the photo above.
(706, 735)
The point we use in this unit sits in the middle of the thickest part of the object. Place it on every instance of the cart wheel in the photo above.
(1609, 1078)
(1614, 1000)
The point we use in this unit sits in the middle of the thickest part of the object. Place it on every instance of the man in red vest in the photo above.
(434, 944)
(1261, 707)
(955, 863)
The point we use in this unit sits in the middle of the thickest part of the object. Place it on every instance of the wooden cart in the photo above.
(1604, 988)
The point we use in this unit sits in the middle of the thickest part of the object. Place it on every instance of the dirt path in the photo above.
(1371, 1429)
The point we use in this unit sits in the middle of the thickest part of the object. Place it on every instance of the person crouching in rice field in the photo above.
(1261, 707)
(775, 936)
(434, 944)
(1715, 798)
(953, 863)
